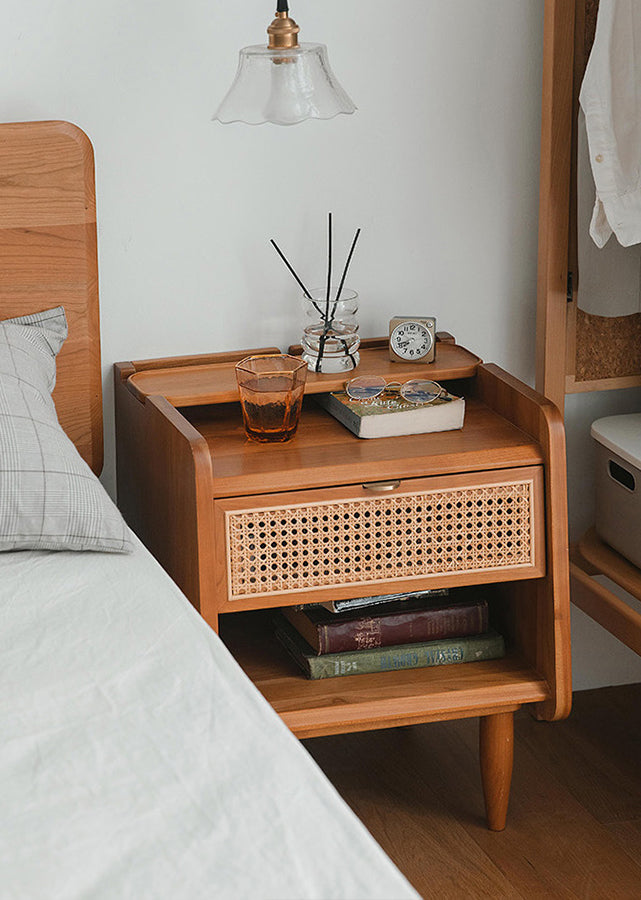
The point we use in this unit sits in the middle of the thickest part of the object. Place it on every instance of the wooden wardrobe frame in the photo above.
(577, 352)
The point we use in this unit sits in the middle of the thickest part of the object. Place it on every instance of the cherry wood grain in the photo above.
(507, 426)
(224, 357)
(607, 561)
(496, 751)
(554, 198)
(575, 804)
(215, 382)
(564, 333)
(325, 452)
(593, 556)
(402, 794)
(597, 753)
(576, 351)
(48, 257)
(363, 702)
(544, 630)
(174, 522)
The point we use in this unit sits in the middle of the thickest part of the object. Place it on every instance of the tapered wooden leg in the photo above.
(496, 744)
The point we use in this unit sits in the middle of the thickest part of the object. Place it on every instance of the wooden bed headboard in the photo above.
(48, 257)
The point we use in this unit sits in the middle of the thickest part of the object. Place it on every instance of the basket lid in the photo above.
(621, 435)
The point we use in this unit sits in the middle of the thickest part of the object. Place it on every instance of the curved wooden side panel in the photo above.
(544, 616)
(48, 257)
(165, 489)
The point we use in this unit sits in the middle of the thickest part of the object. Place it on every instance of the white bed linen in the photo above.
(138, 761)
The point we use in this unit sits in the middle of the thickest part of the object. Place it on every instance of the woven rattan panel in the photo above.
(299, 547)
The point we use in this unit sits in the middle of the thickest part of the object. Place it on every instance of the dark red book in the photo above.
(405, 622)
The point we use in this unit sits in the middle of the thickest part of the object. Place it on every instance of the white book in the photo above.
(391, 418)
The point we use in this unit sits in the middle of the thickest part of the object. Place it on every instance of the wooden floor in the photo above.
(574, 824)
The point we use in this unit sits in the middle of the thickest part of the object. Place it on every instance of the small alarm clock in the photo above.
(412, 338)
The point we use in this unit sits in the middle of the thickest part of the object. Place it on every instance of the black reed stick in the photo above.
(329, 262)
(290, 267)
(326, 319)
(344, 275)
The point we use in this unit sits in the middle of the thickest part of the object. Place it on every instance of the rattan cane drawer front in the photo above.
(353, 541)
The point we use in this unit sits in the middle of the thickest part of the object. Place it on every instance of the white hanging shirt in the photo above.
(611, 100)
(609, 282)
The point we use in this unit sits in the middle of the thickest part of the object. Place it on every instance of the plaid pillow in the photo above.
(49, 497)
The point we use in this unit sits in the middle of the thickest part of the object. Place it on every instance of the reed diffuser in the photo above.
(330, 337)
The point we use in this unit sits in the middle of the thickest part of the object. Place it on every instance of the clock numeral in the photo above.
(411, 340)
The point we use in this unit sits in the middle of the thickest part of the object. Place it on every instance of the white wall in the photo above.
(439, 167)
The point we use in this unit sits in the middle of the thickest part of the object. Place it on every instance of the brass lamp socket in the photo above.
(283, 32)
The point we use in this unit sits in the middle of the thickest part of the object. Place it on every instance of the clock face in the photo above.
(411, 340)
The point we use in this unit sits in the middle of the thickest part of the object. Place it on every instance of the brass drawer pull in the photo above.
(381, 485)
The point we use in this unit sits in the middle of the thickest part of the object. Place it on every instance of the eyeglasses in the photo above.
(370, 387)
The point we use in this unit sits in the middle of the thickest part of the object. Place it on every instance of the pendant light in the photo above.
(284, 82)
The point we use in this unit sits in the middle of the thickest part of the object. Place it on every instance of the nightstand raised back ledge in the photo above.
(200, 380)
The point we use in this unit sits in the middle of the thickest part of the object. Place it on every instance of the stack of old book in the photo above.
(387, 634)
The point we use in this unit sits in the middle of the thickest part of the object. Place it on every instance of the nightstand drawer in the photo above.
(301, 546)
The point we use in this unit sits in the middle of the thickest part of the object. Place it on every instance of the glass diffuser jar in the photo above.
(330, 335)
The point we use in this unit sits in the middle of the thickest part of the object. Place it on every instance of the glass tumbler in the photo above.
(271, 391)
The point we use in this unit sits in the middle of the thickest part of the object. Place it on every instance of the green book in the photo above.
(489, 645)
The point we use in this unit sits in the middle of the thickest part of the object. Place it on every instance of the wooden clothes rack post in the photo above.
(578, 352)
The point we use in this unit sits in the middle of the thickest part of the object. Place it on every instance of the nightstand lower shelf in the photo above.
(365, 702)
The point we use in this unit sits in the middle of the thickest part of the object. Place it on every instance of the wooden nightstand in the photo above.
(243, 527)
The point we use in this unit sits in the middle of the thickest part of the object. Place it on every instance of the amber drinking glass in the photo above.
(271, 391)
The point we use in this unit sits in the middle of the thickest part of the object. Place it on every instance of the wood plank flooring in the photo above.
(574, 823)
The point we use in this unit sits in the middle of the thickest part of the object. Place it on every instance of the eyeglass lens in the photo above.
(421, 391)
(367, 387)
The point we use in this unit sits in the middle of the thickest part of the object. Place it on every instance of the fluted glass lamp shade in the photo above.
(272, 87)
(284, 82)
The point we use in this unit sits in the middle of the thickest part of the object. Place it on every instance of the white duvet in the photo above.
(138, 761)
